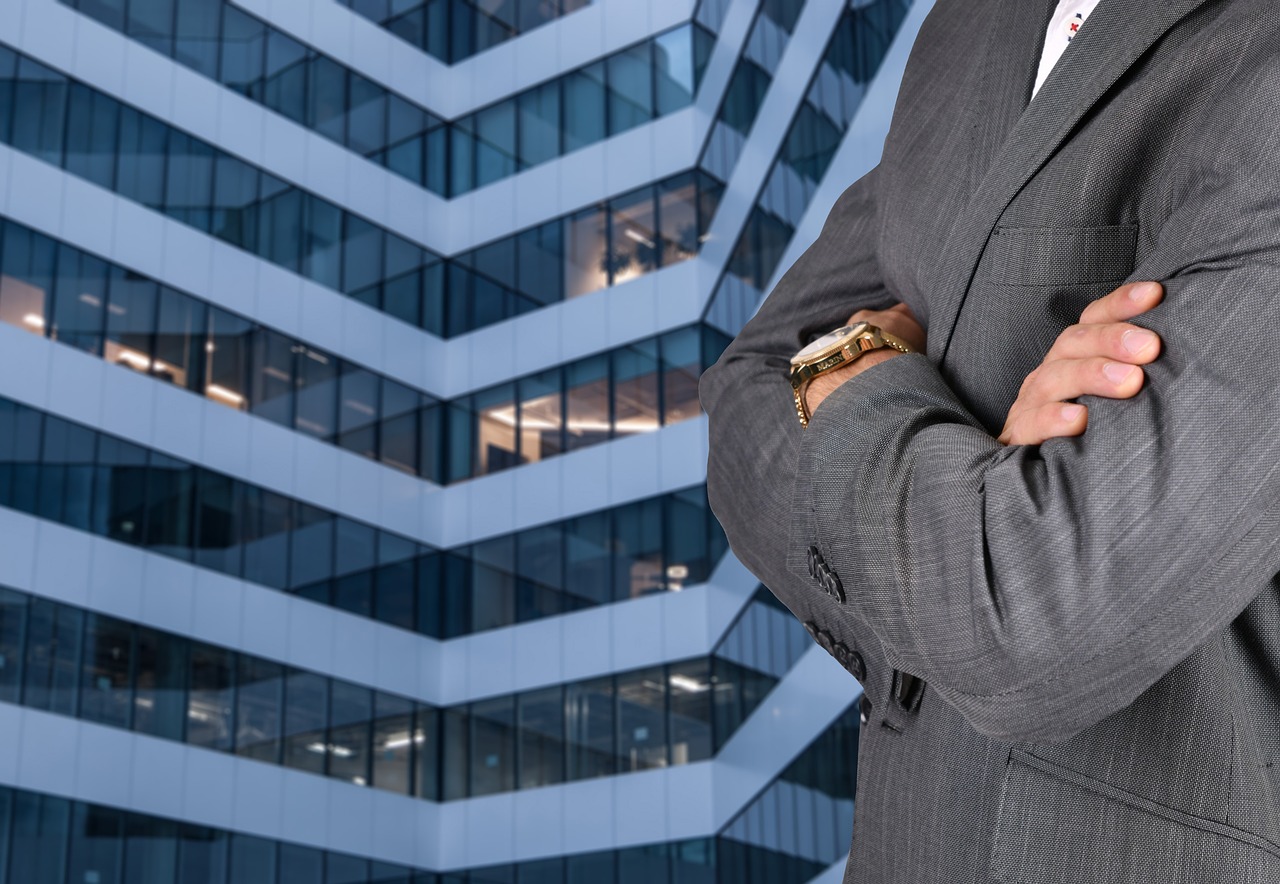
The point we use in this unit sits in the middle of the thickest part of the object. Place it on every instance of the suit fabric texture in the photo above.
(1092, 624)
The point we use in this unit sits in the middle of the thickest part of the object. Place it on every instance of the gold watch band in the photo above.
(871, 338)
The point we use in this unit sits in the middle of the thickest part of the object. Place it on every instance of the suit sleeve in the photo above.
(754, 433)
(1039, 589)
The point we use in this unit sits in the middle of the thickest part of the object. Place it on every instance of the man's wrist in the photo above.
(828, 382)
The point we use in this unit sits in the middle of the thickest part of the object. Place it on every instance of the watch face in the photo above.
(821, 343)
(825, 341)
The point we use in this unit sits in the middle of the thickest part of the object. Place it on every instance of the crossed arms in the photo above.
(1036, 588)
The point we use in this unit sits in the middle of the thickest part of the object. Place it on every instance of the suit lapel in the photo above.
(1112, 40)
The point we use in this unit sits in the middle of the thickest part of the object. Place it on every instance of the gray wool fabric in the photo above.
(1096, 620)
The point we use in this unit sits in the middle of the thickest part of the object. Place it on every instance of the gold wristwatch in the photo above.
(833, 350)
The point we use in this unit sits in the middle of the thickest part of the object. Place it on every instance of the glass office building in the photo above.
(353, 520)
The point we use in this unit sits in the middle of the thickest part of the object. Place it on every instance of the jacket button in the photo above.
(815, 559)
(857, 667)
(864, 710)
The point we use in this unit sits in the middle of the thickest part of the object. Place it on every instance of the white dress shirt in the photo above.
(1066, 21)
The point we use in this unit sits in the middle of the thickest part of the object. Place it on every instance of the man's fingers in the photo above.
(1053, 419)
(1124, 303)
(1065, 379)
(1116, 340)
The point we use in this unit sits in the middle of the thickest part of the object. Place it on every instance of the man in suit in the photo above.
(1067, 625)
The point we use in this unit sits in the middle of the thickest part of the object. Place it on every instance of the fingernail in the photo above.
(1071, 412)
(1143, 290)
(1135, 340)
(1118, 372)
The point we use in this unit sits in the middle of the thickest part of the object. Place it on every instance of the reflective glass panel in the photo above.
(107, 675)
(630, 88)
(209, 701)
(635, 388)
(633, 242)
(496, 440)
(160, 682)
(541, 730)
(306, 713)
(690, 688)
(493, 746)
(587, 418)
(541, 415)
(642, 719)
(586, 258)
(589, 725)
(393, 743)
(259, 708)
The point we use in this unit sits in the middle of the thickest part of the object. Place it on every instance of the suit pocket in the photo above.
(1034, 257)
(1058, 826)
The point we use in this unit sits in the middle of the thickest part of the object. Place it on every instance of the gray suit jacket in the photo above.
(1071, 651)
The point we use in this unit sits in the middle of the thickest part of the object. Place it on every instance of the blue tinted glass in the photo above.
(170, 507)
(284, 88)
(66, 476)
(584, 107)
(196, 28)
(322, 242)
(217, 523)
(496, 142)
(253, 860)
(274, 384)
(151, 850)
(106, 673)
(234, 196)
(97, 844)
(327, 98)
(540, 124)
(151, 23)
(189, 181)
(39, 98)
(630, 88)
(493, 747)
(140, 162)
(305, 716)
(160, 702)
(280, 214)
(266, 520)
(131, 320)
(38, 847)
(119, 491)
(181, 340)
(259, 708)
(202, 855)
(52, 669)
(210, 708)
(317, 397)
(13, 630)
(343, 869)
(80, 296)
(243, 49)
(367, 116)
(355, 555)
(91, 135)
(673, 69)
(300, 865)
(8, 65)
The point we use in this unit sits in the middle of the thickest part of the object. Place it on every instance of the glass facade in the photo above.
(53, 289)
(223, 42)
(45, 839)
(63, 659)
(853, 55)
(89, 134)
(752, 76)
(683, 707)
(454, 30)
(85, 479)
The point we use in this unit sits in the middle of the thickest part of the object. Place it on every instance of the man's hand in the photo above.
(1100, 356)
(897, 320)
